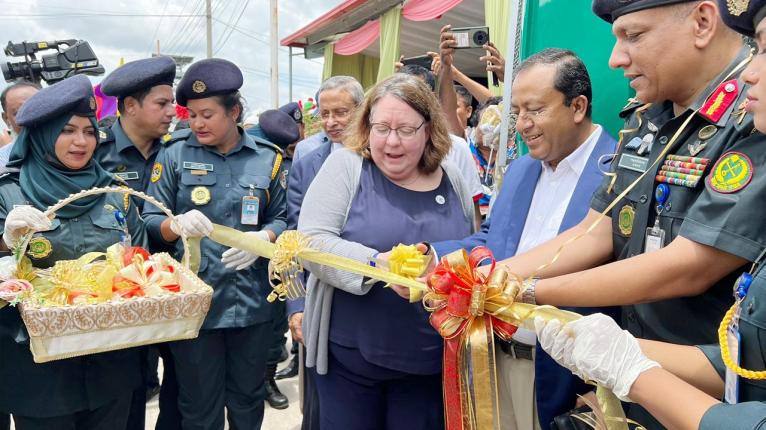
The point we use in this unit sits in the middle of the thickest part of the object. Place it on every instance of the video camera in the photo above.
(73, 57)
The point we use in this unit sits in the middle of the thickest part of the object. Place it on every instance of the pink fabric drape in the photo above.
(426, 10)
(359, 39)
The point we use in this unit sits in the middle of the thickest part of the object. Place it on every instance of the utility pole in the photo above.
(274, 54)
(209, 19)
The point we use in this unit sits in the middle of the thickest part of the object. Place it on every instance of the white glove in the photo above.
(599, 351)
(20, 220)
(557, 344)
(191, 224)
(239, 259)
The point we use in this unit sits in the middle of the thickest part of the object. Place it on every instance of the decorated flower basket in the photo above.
(118, 299)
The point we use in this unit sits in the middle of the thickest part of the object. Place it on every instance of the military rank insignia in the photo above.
(156, 172)
(39, 247)
(720, 100)
(737, 7)
(625, 220)
(731, 173)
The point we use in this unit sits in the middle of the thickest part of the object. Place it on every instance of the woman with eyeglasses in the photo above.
(376, 359)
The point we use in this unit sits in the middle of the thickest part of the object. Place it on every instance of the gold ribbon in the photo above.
(290, 248)
(494, 300)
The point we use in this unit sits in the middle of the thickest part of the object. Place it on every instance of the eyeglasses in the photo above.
(405, 132)
(530, 115)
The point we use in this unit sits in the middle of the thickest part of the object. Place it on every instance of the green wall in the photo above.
(571, 24)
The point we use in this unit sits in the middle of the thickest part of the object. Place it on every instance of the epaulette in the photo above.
(105, 135)
(277, 159)
(632, 105)
(176, 136)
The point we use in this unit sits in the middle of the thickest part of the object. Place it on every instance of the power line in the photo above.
(258, 38)
(195, 36)
(177, 23)
(181, 32)
(157, 29)
(234, 26)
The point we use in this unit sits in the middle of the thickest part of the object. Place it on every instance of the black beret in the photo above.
(743, 16)
(207, 78)
(279, 127)
(139, 75)
(294, 110)
(72, 95)
(610, 10)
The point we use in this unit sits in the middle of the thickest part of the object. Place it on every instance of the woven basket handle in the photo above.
(51, 211)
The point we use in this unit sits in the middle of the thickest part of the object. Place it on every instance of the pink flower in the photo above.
(11, 289)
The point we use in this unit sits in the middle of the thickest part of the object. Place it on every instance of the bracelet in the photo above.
(528, 293)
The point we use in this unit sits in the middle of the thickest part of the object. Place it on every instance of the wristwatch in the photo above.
(528, 293)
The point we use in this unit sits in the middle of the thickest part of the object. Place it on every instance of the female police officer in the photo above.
(219, 174)
(54, 154)
(683, 393)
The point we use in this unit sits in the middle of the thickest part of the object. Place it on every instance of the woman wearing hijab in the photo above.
(54, 156)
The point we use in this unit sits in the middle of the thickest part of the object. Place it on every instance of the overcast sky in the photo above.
(133, 37)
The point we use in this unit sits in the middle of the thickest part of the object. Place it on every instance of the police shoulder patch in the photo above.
(156, 172)
(39, 247)
(731, 173)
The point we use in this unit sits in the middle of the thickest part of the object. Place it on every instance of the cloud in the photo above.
(121, 29)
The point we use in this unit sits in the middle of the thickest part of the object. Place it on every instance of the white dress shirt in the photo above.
(461, 156)
(553, 192)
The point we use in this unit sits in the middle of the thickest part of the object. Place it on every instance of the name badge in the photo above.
(250, 205)
(198, 166)
(633, 162)
(127, 176)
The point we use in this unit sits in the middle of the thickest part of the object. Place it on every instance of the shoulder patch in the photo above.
(731, 173)
(156, 172)
(105, 135)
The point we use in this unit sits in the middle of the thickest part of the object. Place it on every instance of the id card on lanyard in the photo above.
(733, 337)
(655, 236)
(250, 208)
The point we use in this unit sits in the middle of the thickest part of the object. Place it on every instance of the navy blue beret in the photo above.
(139, 75)
(72, 95)
(610, 10)
(743, 16)
(207, 78)
(294, 110)
(279, 127)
